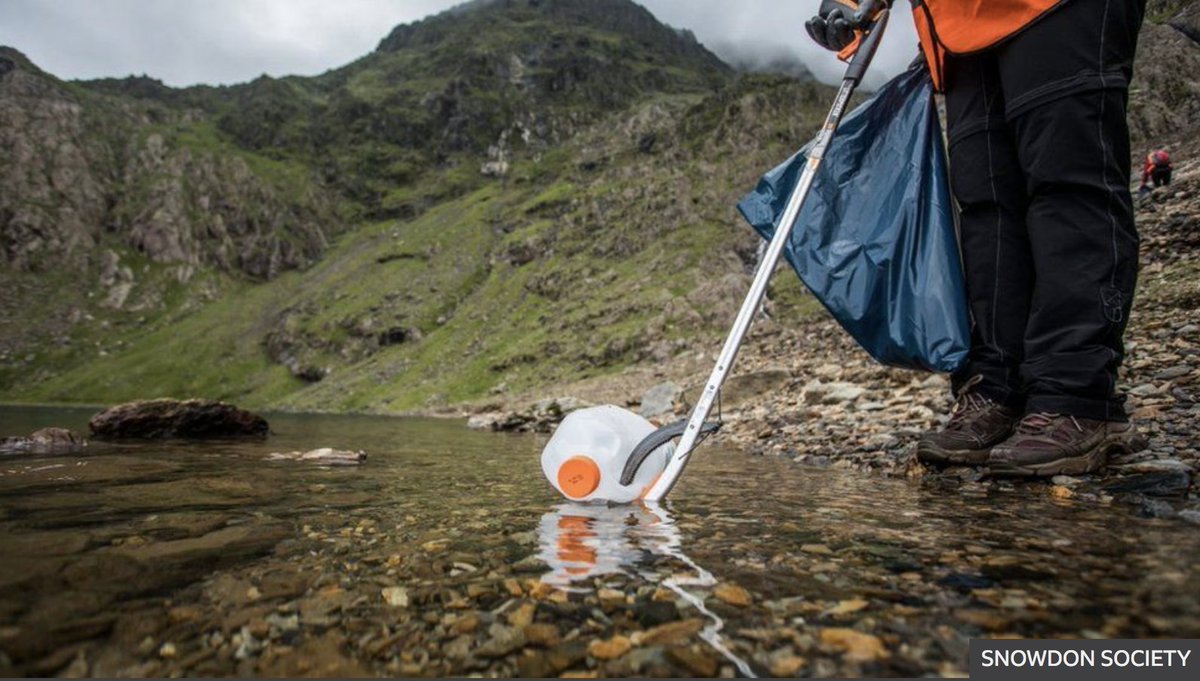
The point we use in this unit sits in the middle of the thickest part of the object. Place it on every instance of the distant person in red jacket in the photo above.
(1157, 170)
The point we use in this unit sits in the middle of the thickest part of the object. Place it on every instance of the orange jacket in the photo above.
(963, 26)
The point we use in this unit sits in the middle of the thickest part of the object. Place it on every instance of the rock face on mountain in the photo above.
(53, 197)
(641, 30)
(184, 206)
(500, 78)
(1187, 21)
(83, 169)
(1165, 94)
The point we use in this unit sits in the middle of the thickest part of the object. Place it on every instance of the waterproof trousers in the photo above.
(1040, 167)
(1161, 177)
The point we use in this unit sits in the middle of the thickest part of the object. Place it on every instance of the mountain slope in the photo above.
(503, 78)
(606, 252)
(81, 171)
(508, 196)
(542, 168)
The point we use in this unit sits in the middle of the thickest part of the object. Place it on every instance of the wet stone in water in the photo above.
(609, 649)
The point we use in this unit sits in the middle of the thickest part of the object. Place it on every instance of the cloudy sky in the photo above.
(184, 42)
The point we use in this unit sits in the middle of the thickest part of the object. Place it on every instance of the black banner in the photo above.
(1033, 660)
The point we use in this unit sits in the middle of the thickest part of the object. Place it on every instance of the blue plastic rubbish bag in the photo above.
(876, 240)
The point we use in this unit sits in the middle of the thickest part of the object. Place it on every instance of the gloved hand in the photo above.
(833, 27)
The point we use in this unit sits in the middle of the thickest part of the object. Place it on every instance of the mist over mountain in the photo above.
(748, 58)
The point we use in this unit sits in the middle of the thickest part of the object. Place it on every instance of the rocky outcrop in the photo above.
(166, 418)
(81, 169)
(540, 417)
(1187, 21)
(53, 175)
(1165, 95)
(187, 206)
(294, 342)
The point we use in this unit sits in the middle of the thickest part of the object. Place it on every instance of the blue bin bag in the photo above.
(875, 241)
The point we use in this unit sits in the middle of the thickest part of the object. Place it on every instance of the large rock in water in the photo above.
(152, 419)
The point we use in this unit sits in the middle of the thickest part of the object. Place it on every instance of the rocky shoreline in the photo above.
(816, 398)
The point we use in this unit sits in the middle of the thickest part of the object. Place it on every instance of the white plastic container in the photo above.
(586, 455)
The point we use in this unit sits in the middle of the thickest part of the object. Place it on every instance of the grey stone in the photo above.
(284, 623)
(659, 400)
(836, 392)
(936, 381)
(488, 421)
(1144, 390)
(843, 392)
(1171, 373)
(1155, 508)
(1165, 484)
(503, 641)
(558, 407)
(1156, 466)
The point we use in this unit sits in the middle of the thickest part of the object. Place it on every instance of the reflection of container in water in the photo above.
(584, 458)
(579, 541)
(582, 541)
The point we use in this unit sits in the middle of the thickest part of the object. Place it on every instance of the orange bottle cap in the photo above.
(578, 477)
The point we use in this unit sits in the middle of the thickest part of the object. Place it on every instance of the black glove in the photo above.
(833, 27)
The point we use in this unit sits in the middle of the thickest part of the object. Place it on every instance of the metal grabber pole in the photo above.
(690, 433)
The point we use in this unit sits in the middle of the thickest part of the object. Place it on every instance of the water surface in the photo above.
(446, 553)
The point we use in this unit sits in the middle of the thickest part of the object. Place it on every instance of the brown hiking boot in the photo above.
(976, 425)
(1052, 444)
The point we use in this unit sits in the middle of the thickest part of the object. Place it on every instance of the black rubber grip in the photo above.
(653, 441)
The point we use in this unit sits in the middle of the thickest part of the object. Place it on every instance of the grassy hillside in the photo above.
(607, 251)
(504, 197)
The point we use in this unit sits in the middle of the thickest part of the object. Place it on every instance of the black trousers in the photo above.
(1040, 164)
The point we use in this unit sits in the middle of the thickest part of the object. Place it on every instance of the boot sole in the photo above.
(1127, 442)
(929, 453)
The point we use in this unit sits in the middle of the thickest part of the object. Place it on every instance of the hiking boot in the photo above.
(1053, 444)
(976, 425)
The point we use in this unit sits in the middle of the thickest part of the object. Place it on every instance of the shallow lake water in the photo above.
(447, 553)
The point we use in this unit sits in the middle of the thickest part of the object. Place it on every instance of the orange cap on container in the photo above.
(578, 477)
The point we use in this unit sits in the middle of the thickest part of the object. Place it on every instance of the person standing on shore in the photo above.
(1036, 94)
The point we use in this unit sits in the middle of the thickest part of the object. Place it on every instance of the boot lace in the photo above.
(1048, 425)
(968, 403)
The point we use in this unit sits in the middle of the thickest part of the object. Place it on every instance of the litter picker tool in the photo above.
(872, 18)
